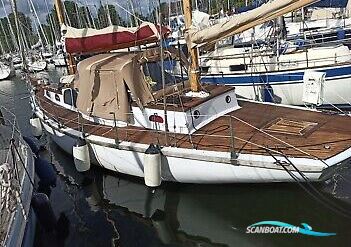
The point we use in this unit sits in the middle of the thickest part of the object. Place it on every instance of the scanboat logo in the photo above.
(284, 228)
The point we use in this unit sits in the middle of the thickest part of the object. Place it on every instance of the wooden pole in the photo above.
(194, 73)
(59, 11)
(60, 15)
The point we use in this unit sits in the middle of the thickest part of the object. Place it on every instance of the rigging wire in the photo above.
(128, 12)
(13, 36)
(319, 197)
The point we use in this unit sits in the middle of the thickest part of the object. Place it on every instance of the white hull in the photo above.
(337, 91)
(185, 165)
(37, 66)
(6, 71)
(59, 62)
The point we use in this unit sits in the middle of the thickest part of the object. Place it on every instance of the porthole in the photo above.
(228, 99)
(196, 114)
(57, 97)
(47, 94)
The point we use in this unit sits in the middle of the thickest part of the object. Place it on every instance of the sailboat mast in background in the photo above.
(61, 18)
(20, 41)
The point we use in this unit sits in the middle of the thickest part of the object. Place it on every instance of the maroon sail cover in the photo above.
(90, 40)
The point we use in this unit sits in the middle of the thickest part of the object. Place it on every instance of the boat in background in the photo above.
(17, 219)
(59, 59)
(281, 76)
(36, 64)
(7, 70)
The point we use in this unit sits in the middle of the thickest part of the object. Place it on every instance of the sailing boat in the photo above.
(280, 78)
(119, 113)
(6, 70)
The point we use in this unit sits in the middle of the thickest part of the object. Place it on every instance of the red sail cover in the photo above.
(90, 40)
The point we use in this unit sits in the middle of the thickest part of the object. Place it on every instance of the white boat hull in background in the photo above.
(6, 71)
(37, 66)
(337, 91)
(59, 61)
(283, 79)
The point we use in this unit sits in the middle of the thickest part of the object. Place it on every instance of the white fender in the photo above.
(152, 166)
(35, 124)
(81, 156)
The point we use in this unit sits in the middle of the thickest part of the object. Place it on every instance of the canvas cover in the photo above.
(89, 40)
(241, 22)
(104, 82)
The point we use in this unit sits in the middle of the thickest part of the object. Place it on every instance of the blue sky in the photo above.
(41, 9)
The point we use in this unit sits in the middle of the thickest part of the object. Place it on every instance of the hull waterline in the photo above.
(180, 169)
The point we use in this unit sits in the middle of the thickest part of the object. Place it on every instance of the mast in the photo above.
(109, 20)
(10, 26)
(194, 73)
(21, 49)
(59, 11)
(6, 40)
(35, 15)
(60, 15)
(52, 27)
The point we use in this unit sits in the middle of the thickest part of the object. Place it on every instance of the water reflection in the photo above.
(216, 215)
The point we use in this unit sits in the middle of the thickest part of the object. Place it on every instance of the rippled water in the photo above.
(107, 209)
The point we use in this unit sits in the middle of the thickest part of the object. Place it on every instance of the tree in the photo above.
(73, 17)
(115, 18)
(29, 37)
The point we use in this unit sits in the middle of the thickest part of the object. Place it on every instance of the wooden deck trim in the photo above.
(330, 137)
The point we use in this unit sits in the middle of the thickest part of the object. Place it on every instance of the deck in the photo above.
(256, 126)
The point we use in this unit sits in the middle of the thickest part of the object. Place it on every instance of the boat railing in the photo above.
(224, 138)
(10, 120)
(247, 63)
(325, 39)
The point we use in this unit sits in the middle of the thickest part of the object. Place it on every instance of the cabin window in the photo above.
(70, 97)
(237, 67)
(47, 93)
(228, 99)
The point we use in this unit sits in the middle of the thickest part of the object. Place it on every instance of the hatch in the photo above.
(290, 127)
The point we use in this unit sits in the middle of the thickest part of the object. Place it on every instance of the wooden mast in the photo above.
(194, 73)
(70, 60)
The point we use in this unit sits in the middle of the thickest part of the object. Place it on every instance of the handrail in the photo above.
(258, 54)
(197, 143)
(288, 64)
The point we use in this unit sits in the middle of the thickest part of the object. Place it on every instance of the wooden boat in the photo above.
(213, 139)
(116, 107)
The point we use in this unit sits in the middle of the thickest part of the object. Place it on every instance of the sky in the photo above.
(40, 6)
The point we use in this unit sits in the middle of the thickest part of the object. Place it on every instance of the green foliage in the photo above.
(8, 41)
